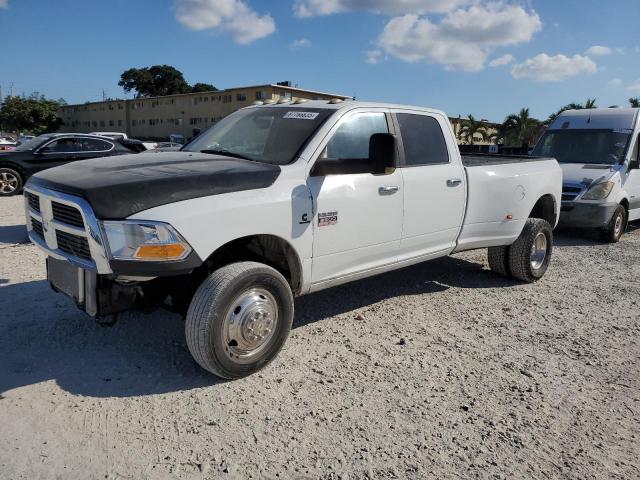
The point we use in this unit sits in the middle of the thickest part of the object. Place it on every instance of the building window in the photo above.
(261, 95)
(111, 123)
(134, 123)
(241, 97)
(102, 123)
(110, 107)
(94, 123)
(120, 106)
(119, 123)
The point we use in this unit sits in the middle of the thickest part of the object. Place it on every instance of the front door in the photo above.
(434, 186)
(358, 217)
(632, 183)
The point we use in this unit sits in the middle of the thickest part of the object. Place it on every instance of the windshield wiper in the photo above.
(227, 153)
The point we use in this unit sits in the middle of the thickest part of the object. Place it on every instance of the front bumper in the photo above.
(586, 215)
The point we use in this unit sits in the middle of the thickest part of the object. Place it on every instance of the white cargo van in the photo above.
(598, 152)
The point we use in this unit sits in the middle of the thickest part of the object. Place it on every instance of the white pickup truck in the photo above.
(599, 152)
(277, 201)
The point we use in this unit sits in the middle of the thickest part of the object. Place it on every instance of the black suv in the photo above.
(47, 151)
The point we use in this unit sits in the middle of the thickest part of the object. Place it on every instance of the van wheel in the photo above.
(617, 226)
(499, 260)
(10, 182)
(530, 254)
(239, 319)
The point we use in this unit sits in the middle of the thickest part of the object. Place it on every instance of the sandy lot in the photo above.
(453, 373)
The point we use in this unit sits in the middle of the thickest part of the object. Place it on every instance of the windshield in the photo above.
(271, 135)
(584, 146)
(31, 144)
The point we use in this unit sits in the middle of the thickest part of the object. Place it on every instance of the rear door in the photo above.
(358, 217)
(434, 184)
(93, 148)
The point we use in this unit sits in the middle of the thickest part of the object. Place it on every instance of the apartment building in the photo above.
(159, 117)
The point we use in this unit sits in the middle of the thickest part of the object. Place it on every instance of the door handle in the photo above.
(388, 190)
(454, 182)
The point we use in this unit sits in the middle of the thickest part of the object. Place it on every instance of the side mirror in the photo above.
(382, 155)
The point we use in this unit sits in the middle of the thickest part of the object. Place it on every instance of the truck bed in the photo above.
(479, 159)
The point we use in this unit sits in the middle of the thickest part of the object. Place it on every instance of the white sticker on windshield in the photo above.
(622, 130)
(302, 115)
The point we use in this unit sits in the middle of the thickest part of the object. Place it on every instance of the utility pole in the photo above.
(104, 95)
(11, 89)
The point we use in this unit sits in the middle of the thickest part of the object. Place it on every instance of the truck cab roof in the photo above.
(597, 119)
(346, 105)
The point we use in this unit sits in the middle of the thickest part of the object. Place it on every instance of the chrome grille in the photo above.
(67, 214)
(65, 227)
(37, 227)
(34, 201)
(73, 245)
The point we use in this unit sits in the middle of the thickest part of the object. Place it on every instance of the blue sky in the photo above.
(436, 53)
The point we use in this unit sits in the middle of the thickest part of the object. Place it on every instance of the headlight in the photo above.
(599, 191)
(147, 241)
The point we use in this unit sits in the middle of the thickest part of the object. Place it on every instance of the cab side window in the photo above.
(423, 140)
(351, 140)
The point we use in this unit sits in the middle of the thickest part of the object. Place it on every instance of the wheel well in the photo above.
(267, 249)
(14, 167)
(625, 203)
(545, 208)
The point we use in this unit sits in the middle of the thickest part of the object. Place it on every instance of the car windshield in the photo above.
(263, 134)
(31, 144)
(584, 146)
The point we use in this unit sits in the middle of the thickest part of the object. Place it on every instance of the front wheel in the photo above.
(10, 182)
(616, 227)
(530, 255)
(239, 319)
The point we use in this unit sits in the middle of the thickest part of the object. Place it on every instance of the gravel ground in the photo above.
(441, 370)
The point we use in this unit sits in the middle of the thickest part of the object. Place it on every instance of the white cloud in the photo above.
(300, 44)
(634, 87)
(4, 3)
(503, 60)
(599, 51)
(614, 83)
(545, 68)
(232, 16)
(463, 39)
(312, 8)
(374, 56)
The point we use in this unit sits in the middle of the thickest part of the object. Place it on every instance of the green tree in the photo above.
(589, 104)
(34, 114)
(634, 102)
(155, 81)
(522, 128)
(203, 87)
(471, 127)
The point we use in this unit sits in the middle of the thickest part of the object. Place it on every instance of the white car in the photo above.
(598, 152)
(112, 135)
(277, 201)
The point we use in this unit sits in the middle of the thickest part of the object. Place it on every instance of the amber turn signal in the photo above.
(172, 251)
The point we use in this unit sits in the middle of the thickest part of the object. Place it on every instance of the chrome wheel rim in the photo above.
(617, 228)
(249, 325)
(539, 251)
(8, 182)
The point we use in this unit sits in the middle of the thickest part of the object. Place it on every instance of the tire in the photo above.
(617, 226)
(499, 260)
(239, 319)
(527, 263)
(11, 182)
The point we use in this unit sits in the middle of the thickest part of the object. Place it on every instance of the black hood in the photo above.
(118, 187)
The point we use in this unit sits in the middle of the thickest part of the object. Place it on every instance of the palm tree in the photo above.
(589, 104)
(471, 127)
(634, 102)
(522, 128)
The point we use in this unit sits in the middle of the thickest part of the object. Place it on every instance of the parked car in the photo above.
(113, 135)
(47, 151)
(167, 147)
(7, 144)
(278, 201)
(598, 152)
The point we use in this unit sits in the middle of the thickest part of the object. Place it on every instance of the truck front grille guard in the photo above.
(83, 246)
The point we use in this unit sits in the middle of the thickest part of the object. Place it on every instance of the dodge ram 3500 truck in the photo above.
(277, 201)
(598, 151)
